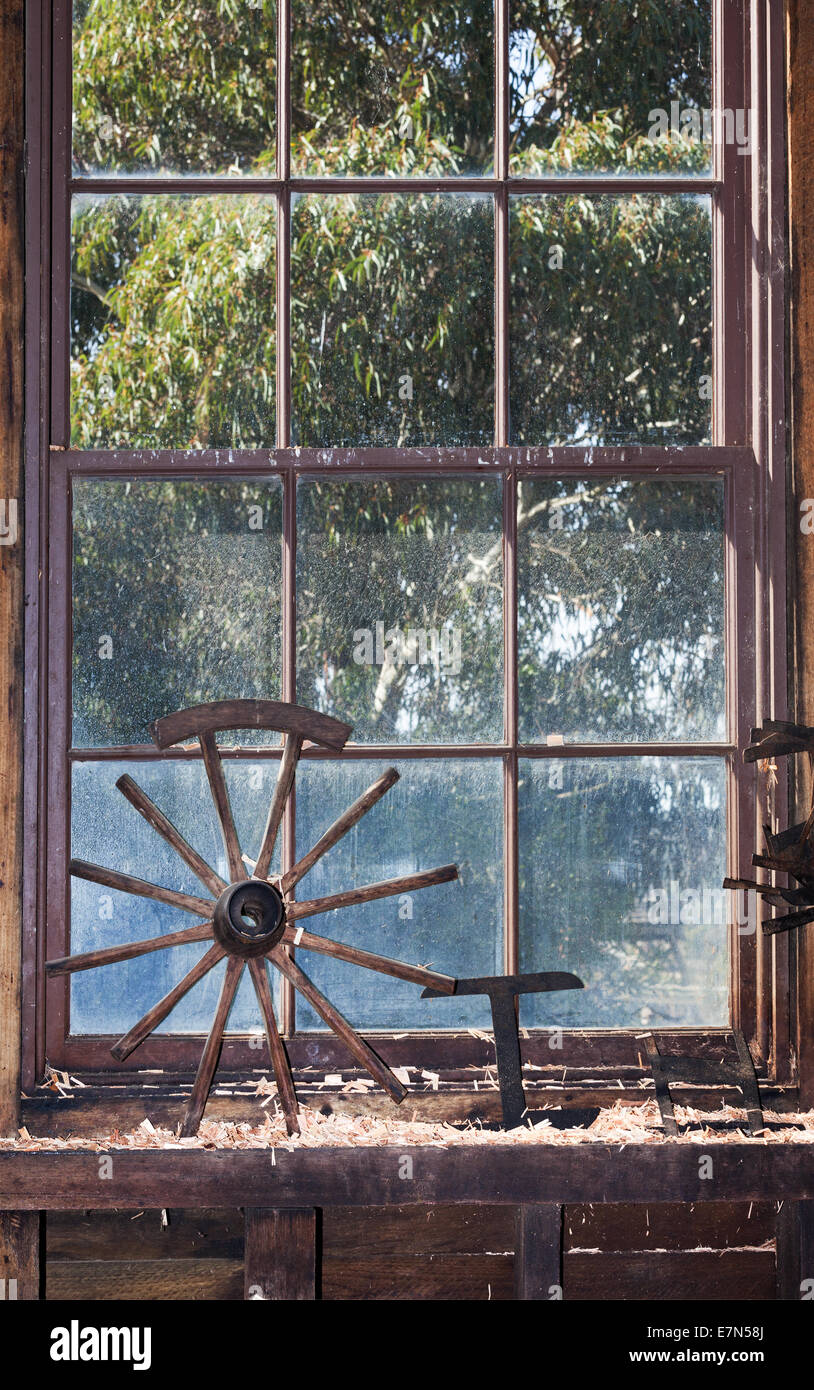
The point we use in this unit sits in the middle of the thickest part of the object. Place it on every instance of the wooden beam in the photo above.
(20, 1255)
(497, 1174)
(11, 553)
(280, 1260)
(800, 14)
(538, 1253)
(794, 1245)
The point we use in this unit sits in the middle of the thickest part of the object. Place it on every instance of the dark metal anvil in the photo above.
(503, 992)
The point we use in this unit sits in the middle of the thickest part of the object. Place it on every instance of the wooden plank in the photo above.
(145, 1281)
(538, 1254)
(438, 1278)
(800, 97)
(11, 554)
(377, 1176)
(280, 1261)
(361, 1233)
(795, 1252)
(180, 1233)
(611, 1226)
(20, 1255)
(93, 1112)
(708, 1276)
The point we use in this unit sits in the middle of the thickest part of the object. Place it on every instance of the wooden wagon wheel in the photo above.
(254, 916)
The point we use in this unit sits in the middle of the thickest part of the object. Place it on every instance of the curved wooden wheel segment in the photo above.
(254, 916)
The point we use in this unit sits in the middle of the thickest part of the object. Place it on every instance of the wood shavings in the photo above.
(619, 1124)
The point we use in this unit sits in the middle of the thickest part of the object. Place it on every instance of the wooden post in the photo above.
(794, 1245)
(11, 552)
(801, 231)
(280, 1261)
(538, 1253)
(19, 1255)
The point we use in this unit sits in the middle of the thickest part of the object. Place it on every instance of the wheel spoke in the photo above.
(431, 979)
(223, 808)
(111, 878)
(369, 892)
(340, 827)
(159, 1011)
(211, 1052)
(356, 1045)
(277, 1052)
(156, 818)
(285, 778)
(109, 955)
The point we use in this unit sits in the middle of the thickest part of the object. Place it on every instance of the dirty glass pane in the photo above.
(438, 813)
(610, 319)
(612, 87)
(621, 864)
(176, 600)
(107, 830)
(173, 88)
(400, 87)
(400, 606)
(173, 321)
(392, 319)
(621, 610)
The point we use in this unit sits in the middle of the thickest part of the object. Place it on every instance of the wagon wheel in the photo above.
(254, 916)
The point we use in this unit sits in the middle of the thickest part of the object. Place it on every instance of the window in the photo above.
(414, 362)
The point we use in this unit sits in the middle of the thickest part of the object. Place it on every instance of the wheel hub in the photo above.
(249, 918)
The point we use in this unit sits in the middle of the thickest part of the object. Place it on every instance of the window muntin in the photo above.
(677, 180)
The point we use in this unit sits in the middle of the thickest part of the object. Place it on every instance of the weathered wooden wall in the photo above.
(11, 555)
(711, 1251)
(714, 1251)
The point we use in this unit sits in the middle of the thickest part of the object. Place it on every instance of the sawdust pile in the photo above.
(619, 1124)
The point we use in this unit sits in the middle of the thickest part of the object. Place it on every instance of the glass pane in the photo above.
(438, 813)
(621, 865)
(392, 320)
(610, 87)
(106, 829)
(173, 321)
(173, 88)
(176, 600)
(621, 610)
(610, 319)
(393, 87)
(400, 607)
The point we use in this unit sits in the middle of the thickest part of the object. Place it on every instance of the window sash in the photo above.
(747, 449)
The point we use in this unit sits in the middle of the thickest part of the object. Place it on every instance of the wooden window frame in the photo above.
(747, 453)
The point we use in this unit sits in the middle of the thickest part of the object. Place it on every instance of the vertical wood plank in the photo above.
(280, 1261)
(11, 553)
(801, 237)
(538, 1253)
(20, 1255)
(794, 1243)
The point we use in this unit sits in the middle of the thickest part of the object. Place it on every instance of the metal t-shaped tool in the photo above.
(503, 991)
